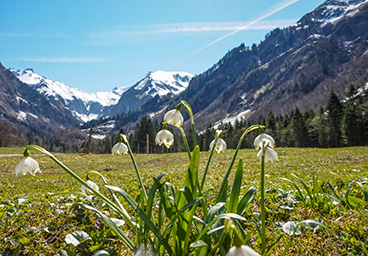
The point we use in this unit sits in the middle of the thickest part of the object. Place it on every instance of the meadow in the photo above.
(326, 185)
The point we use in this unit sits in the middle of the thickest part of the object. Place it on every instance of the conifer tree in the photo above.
(334, 119)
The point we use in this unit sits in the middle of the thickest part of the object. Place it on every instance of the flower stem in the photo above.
(263, 209)
(208, 162)
(75, 176)
(223, 187)
(185, 142)
(137, 171)
(194, 135)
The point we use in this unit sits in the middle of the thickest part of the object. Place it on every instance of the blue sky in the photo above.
(98, 45)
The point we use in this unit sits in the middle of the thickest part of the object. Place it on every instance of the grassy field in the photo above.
(34, 219)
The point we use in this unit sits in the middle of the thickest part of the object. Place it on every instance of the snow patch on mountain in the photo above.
(334, 10)
(56, 89)
(162, 83)
(232, 118)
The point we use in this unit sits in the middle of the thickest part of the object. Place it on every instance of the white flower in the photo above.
(119, 148)
(118, 222)
(264, 139)
(270, 155)
(166, 137)
(220, 145)
(244, 250)
(27, 164)
(84, 189)
(174, 118)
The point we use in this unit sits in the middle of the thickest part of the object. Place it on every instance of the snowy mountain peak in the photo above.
(162, 83)
(85, 106)
(333, 10)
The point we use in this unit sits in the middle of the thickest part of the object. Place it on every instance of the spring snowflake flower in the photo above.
(84, 189)
(174, 117)
(27, 164)
(265, 140)
(220, 145)
(166, 137)
(244, 250)
(119, 148)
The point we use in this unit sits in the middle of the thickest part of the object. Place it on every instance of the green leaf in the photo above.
(305, 186)
(151, 196)
(215, 210)
(111, 224)
(198, 244)
(142, 215)
(191, 179)
(67, 253)
(355, 202)
(297, 188)
(235, 191)
(100, 253)
(364, 191)
(24, 240)
(246, 200)
(77, 237)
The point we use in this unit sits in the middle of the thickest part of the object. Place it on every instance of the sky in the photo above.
(98, 45)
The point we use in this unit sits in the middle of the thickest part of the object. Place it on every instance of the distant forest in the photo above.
(339, 123)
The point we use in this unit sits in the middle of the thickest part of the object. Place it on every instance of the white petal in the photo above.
(244, 250)
(174, 117)
(264, 139)
(166, 137)
(270, 155)
(84, 189)
(119, 148)
(26, 165)
(220, 145)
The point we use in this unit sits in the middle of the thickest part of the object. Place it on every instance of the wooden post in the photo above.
(89, 141)
(127, 135)
(147, 144)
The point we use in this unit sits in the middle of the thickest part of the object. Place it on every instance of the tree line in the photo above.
(338, 123)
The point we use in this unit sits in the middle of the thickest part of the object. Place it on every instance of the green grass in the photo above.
(40, 224)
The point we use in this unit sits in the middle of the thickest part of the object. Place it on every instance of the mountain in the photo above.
(85, 106)
(23, 109)
(327, 49)
(158, 83)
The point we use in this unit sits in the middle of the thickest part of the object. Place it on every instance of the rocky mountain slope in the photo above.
(325, 50)
(154, 84)
(85, 106)
(23, 108)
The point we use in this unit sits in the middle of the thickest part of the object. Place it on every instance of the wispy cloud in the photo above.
(120, 35)
(249, 25)
(63, 60)
(28, 35)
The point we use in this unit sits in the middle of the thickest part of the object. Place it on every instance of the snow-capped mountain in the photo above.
(154, 84)
(333, 10)
(85, 106)
(327, 49)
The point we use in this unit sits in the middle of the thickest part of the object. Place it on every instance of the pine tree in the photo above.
(299, 132)
(334, 119)
(350, 121)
